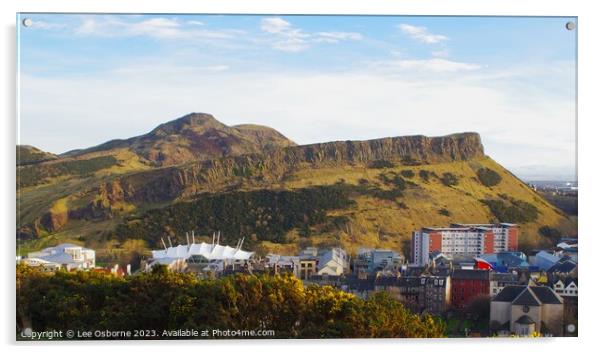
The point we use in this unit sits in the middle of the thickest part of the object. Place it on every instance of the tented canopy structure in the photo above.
(212, 253)
(208, 251)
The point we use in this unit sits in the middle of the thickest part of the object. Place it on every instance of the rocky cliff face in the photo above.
(210, 175)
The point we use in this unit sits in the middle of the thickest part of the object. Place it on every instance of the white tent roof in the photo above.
(211, 252)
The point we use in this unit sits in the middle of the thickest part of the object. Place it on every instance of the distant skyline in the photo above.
(87, 79)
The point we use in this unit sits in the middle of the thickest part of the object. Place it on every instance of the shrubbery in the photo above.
(36, 174)
(424, 175)
(488, 177)
(550, 233)
(449, 179)
(381, 164)
(267, 214)
(163, 300)
(444, 212)
(512, 211)
(407, 173)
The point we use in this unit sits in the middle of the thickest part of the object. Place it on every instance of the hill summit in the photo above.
(195, 136)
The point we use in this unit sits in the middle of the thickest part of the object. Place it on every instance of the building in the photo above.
(374, 260)
(544, 260)
(523, 310)
(430, 293)
(564, 265)
(463, 241)
(65, 255)
(564, 286)
(467, 284)
(501, 280)
(333, 262)
(568, 248)
(403, 289)
(200, 257)
(436, 294)
(505, 261)
(308, 262)
(278, 264)
(360, 286)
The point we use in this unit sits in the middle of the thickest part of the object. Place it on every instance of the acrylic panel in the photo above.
(189, 176)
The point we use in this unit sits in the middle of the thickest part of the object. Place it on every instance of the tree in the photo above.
(164, 300)
(478, 308)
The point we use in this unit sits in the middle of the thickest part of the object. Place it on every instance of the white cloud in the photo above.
(421, 34)
(434, 65)
(443, 53)
(158, 28)
(275, 25)
(287, 37)
(334, 37)
(39, 24)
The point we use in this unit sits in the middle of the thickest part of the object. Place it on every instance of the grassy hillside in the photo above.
(351, 206)
(27, 155)
(352, 194)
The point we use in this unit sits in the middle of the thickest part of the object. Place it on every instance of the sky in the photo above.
(87, 79)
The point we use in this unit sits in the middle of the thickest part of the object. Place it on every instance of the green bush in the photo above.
(449, 179)
(488, 177)
(37, 174)
(515, 211)
(269, 214)
(163, 300)
(550, 233)
(407, 173)
(444, 212)
(381, 164)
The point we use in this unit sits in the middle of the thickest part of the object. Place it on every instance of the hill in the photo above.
(27, 155)
(195, 136)
(281, 198)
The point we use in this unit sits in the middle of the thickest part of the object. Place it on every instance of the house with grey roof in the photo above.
(523, 310)
(325, 262)
(66, 255)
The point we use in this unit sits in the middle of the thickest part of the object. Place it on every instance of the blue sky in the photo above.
(86, 79)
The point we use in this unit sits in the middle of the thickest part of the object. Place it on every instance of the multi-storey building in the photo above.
(373, 260)
(428, 293)
(468, 284)
(463, 241)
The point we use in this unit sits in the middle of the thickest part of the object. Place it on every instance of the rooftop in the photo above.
(527, 295)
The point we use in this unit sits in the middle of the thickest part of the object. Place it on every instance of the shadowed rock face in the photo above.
(169, 183)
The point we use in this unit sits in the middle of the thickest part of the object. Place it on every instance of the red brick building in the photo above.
(467, 284)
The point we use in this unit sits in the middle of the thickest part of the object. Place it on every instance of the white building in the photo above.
(463, 241)
(335, 262)
(526, 309)
(65, 255)
(212, 256)
(566, 287)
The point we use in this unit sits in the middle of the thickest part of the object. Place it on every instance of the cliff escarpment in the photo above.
(166, 184)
